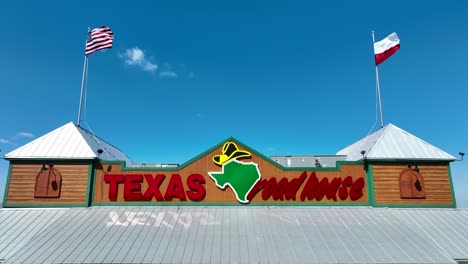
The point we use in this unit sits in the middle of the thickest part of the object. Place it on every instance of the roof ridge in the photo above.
(98, 137)
(84, 139)
(379, 139)
(112, 152)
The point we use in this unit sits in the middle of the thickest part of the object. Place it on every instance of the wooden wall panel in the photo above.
(215, 195)
(436, 183)
(23, 178)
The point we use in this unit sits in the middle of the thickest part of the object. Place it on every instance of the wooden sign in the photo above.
(231, 173)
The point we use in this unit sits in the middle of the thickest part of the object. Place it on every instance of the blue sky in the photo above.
(284, 77)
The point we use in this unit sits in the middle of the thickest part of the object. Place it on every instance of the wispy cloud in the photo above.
(167, 71)
(137, 57)
(17, 137)
(270, 149)
(25, 134)
(169, 74)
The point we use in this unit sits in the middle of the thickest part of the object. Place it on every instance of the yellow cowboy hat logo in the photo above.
(230, 151)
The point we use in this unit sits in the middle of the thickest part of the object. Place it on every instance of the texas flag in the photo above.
(386, 47)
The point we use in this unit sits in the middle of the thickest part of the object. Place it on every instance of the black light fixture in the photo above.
(461, 154)
(362, 153)
(100, 151)
(317, 163)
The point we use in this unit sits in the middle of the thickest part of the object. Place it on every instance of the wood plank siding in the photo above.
(23, 179)
(436, 184)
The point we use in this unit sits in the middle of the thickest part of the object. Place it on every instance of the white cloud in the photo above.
(4, 141)
(169, 74)
(137, 57)
(25, 134)
(167, 71)
(150, 67)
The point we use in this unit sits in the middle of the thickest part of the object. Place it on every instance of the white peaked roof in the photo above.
(393, 143)
(68, 142)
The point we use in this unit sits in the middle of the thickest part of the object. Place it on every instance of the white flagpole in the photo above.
(82, 89)
(378, 87)
(85, 67)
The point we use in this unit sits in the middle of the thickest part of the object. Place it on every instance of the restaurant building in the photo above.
(71, 197)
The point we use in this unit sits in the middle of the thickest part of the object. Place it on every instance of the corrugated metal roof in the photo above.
(393, 143)
(236, 234)
(67, 142)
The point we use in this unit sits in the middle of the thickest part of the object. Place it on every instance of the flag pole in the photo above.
(82, 88)
(85, 67)
(378, 87)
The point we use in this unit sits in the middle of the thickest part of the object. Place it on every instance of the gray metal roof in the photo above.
(236, 234)
(68, 142)
(393, 143)
(110, 152)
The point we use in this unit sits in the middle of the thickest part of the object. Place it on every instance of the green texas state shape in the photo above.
(240, 176)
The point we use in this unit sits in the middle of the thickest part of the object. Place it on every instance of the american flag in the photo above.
(99, 38)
